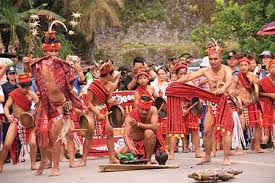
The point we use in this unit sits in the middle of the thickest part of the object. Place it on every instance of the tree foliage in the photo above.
(239, 22)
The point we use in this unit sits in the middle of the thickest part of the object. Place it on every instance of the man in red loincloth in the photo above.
(99, 98)
(52, 76)
(141, 135)
(217, 74)
(20, 100)
(242, 86)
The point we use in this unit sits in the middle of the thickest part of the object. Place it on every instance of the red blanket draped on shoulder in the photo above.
(139, 145)
(99, 91)
(142, 91)
(62, 73)
(253, 109)
(20, 99)
(174, 94)
(267, 87)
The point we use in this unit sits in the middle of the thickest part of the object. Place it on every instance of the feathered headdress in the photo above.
(213, 48)
(50, 42)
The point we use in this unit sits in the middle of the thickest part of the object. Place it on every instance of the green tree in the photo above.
(239, 22)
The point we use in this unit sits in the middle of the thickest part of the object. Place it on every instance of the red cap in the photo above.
(24, 78)
(181, 65)
(271, 62)
(106, 69)
(144, 104)
(244, 60)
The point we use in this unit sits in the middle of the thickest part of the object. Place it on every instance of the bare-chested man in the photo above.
(190, 120)
(242, 86)
(216, 75)
(20, 100)
(140, 129)
(98, 97)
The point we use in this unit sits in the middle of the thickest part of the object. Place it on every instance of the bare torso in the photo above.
(214, 78)
(17, 111)
(137, 133)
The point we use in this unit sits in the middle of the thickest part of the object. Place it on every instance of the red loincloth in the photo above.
(253, 110)
(100, 125)
(139, 145)
(267, 87)
(20, 99)
(190, 120)
(99, 91)
(176, 91)
(142, 91)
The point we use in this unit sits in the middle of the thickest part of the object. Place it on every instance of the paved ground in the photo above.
(258, 168)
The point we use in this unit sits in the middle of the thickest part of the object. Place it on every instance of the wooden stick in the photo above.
(160, 107)
(108, 113)
(80, 129)
(121, 167)
(192, 106)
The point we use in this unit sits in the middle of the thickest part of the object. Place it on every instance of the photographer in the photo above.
(131, 81)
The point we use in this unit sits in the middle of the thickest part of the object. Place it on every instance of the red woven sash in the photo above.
(244, 80)
(20, 99)
(174, 94)
(99, 91)
(268, 87)
(142, 91)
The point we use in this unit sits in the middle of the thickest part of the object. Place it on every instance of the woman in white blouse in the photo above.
(160, 83)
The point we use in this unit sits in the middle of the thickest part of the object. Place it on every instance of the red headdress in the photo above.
(106, 67)
(143, 72)
(244, 60)
(24, 78)
(180, 65)
(213, 49)
(50, 43)
(271, 62)
(144, 104)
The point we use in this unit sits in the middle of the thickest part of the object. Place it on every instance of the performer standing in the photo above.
(20, 100)
(268, 97)
(243, 84)
(99, 98)
(52, 76)
(216, 74)
(190, 120)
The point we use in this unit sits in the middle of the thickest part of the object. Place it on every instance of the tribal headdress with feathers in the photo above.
(213, 48)
(50, 42)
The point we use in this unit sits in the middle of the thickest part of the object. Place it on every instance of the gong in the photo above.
(116, 116)
(26, 120)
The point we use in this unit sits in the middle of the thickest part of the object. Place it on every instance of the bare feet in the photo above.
(82, 163)
(34, 167)
(113, 160)
(260, 150)
(226, 161)
(171, 157)
(55, 172)
(186, 150)
(75, 165)
(204, 160)
(198, 155)
(41, 168)
(213, 154)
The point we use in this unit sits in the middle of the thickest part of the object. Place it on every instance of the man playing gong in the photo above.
(242, 86)
(20, 100)
(216, 75)
(99, 97)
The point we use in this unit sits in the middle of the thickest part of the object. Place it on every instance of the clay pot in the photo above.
(161, 157)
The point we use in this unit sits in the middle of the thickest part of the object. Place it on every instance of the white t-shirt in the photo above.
(1, 105)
